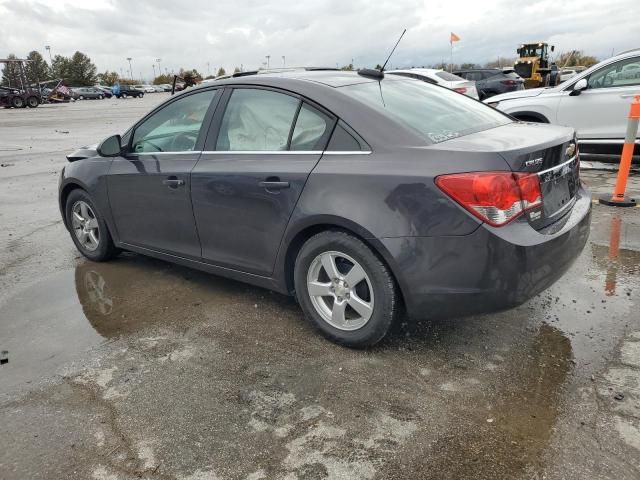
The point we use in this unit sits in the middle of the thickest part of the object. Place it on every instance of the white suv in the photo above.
(595, 102)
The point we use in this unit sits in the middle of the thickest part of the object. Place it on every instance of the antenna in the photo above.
(393, 50)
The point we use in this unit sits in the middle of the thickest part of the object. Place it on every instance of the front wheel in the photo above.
(17, 102)
(344, 289)
(32, 102)
(88, 229)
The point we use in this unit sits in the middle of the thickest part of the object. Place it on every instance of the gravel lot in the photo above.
(141, 369)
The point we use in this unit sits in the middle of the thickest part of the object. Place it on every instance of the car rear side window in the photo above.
(436, 113)
(343, 141)
(448, 77)
(174, 128)
(312, 129)
(257, 120)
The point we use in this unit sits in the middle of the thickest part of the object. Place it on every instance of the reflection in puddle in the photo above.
(615, 260)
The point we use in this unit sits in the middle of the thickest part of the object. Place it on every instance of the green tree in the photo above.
(348, 67)
(236, 70)
(162, 79)
(60, 67)
(378, 67)
(107, 78)
(37, 69)
(221, 71)
(468, 66)
(82, 72)
(501, 62)
(11, 73)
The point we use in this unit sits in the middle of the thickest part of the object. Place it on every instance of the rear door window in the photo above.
(259, 120)
(312, 129)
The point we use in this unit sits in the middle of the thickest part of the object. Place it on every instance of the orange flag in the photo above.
(454, 38)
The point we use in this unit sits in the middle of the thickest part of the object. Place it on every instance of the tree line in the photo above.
(78, 70)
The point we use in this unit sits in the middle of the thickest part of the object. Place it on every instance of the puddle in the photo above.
(57, 319)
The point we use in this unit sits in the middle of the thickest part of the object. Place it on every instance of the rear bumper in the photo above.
(489, 270)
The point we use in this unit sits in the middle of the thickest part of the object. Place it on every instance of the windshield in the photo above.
(436, 113)
(449, 77)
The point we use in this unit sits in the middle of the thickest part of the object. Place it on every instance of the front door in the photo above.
(149, 187)
(245, 187)
(601, 111)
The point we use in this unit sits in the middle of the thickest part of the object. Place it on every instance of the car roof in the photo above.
(323, 88)
(425, 71)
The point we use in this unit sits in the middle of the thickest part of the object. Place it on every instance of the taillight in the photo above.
(510, 83)
(494, 197)
(460, 90)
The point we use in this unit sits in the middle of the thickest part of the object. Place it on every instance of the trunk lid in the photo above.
(548, 151)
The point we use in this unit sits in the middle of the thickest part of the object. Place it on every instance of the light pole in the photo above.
(158, 60)
(153, 65)
(284, 62)
(268, 57)
(208, 69)
(48, 49)
(130, 67)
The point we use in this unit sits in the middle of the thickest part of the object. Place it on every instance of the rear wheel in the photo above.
(81, 97)
(124, 95)
(344, 289)
(32, 102)
(88, 229)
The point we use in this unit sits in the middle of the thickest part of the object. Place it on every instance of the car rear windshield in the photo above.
(436, 113)
(449, 77)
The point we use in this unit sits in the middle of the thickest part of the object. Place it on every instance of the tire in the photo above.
(124, 95)
(17, 102)
(32, 102)
(101, 97)
(373, 290)
(96, 246)
(141, 95)
(81, 97)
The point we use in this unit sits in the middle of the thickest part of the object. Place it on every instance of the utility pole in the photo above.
(208, 69)
(284, 62)
(130, 67)
(153, 65)
(158, 60)
(268, 57)
(48, 49)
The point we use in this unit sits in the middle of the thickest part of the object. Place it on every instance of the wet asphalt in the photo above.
(137, 368)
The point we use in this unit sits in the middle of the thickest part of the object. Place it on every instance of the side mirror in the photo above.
(579, 87)
(110, 147)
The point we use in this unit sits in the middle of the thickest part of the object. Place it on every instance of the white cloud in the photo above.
(322, 32)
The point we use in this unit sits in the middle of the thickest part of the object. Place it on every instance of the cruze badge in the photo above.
(533, 162)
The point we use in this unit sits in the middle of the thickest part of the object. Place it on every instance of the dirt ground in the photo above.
(141, 369)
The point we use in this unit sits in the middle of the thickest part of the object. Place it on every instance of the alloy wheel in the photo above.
(340, 290)
(85, 225)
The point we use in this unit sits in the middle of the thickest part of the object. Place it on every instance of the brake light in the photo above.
(509, 83)
(494, 197)
(460, 89)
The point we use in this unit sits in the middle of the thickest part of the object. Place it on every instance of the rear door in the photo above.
(601, 111)
(149, 187)
(262, 147)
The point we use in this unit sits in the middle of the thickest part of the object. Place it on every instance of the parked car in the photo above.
(105, 90)
(145, 88)
(595, 102)
(355, 192)
(492, 81)
(91, 93)
(124, 91)
(440, 77)
(158, 88)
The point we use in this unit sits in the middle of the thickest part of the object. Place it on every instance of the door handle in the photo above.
(273, 183)
(173, 182)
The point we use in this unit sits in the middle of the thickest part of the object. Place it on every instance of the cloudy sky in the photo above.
(207, 34)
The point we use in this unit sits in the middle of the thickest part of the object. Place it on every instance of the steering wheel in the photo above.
(183, 141)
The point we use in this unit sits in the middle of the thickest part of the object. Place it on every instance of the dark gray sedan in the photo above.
(354, 193)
